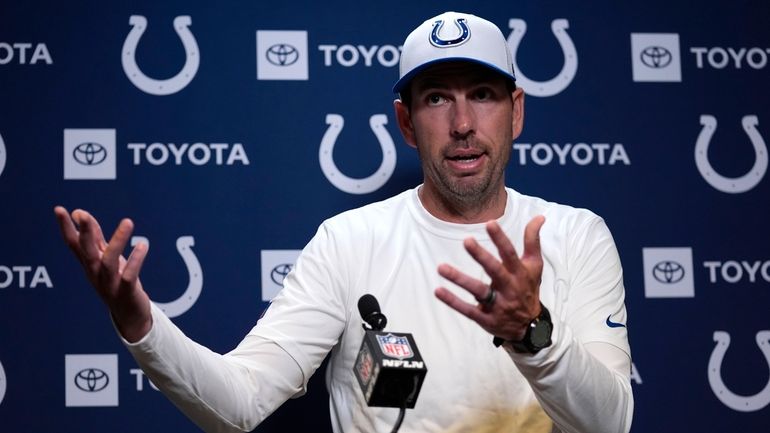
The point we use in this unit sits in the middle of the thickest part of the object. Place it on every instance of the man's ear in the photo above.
(405, 122)
(517, 117)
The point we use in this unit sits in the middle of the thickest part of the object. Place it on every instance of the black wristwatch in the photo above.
(537, 337)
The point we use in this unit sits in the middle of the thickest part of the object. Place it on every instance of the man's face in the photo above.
(462, 119)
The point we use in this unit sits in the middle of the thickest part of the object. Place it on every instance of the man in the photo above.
(550, 308)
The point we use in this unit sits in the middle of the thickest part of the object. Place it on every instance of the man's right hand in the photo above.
(115, 278)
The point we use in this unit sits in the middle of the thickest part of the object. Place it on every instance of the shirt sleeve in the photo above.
(308, 316)
(582, 380)
(233, 392)
(236, 391)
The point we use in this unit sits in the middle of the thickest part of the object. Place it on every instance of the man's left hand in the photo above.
(508, 304)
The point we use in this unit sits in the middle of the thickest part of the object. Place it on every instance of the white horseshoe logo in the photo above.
(150, 85)
(564, 78)
(2, 155)
(183, 303)
(2, 383)
(729, 185)
(731, 400)
(347, 184)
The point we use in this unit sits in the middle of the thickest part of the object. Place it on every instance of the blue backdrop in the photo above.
(229, 131)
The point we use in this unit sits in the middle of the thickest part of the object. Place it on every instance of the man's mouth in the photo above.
(466, 162)
(465, 158)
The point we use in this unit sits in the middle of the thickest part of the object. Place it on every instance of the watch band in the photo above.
(526, 345)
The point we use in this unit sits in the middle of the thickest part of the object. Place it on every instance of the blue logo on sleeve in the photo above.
(612, 324)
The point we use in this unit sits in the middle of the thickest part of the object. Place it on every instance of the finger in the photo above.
(475, 287)
(532, 237)
(67, 227)
(470, 311)
(504, 246)
(92, 227)
(91, 238)
(134, 263)
(492, 266)
(111, 256)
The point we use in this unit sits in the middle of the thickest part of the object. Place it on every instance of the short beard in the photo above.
(462, 197)
(464, 194)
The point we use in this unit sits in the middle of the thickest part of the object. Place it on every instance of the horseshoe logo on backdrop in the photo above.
(347, 184)
(731, 185)
(2, 383)
(183, 303)
(2, 155)
(558, 83)
(150, 85)
(737, 402)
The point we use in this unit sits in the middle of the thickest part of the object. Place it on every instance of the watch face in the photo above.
(540, 334)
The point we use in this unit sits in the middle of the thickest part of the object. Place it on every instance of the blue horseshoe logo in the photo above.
(436, 41)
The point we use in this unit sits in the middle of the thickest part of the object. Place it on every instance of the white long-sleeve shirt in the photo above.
(391, 249)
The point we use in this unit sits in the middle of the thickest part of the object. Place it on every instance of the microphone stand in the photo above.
(401, 413)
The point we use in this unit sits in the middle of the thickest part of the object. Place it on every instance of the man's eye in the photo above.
(483, 94)
(435, 99)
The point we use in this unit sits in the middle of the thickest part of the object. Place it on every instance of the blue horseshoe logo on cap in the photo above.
(435, 39)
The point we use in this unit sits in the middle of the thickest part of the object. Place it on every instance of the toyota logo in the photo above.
(282, 55)
(656, 57)
(89, 153)
(91, 380)
(280, 272)
(668, 272)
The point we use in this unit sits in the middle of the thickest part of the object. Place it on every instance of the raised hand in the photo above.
(508, 304)
(115, 278)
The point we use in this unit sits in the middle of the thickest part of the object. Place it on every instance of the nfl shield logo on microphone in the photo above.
(395, 346)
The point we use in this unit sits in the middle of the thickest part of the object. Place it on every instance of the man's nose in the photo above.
(463, 119)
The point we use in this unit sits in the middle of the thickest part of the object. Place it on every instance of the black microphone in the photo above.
(369, 309)
(389, 368)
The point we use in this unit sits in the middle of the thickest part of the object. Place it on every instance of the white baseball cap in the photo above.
(454, 36)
